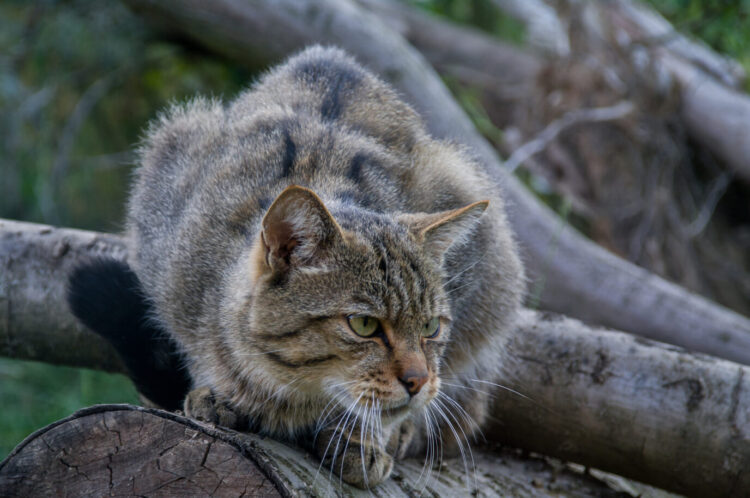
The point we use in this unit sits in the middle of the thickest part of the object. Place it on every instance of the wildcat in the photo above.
(328, 272)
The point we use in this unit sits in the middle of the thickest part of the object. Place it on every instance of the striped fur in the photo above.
(263, 324)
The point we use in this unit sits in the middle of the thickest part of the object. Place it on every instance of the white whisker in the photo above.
(442, 382)
(468, 419)
(503, 387)
(328, 446)
(341, 434)
(441, 409)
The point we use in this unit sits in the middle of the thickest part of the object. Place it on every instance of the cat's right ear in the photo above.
(438, 232)
(297, 229)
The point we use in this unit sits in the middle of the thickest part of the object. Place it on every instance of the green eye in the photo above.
(363, 326)
(431, 328)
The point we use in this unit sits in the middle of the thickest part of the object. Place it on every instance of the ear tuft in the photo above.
(438, 232)
(297, 228)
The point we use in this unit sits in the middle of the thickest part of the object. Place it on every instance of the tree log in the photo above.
(114, 450)
(606, 399)
(654, 412)
(35, 323)
(572, 275)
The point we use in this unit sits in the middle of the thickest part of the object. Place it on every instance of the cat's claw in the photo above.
(202, 404)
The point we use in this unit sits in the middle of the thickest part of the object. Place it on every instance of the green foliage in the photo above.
(481, 14)
(35, 394)
(722, 24)
(78, 82)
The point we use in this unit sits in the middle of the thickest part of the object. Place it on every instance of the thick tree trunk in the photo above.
(655, 413)
(605, 399)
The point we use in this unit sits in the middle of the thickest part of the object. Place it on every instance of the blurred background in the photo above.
(80, 79)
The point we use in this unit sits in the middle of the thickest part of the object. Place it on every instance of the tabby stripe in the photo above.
(344, 80)
(282, 336)
(290, 151)
(306, 363)
(355, 166)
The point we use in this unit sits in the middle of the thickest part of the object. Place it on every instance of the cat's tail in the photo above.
(106, 296)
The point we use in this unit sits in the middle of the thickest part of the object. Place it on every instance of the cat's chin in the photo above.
(397, 413)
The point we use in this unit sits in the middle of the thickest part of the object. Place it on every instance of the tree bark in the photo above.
(35, 323)
(118, 450)
(610, 400)
(606, 399)
(571, 274)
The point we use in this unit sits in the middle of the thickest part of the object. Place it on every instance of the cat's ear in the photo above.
(438, 232)
(297, 228)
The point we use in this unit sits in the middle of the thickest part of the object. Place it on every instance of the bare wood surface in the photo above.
(118, 450)
(114, 450)
(606, 399)
(611, 400)
(35, 323)
(573, 275)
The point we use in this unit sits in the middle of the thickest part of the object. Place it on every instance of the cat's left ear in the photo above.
(438, 232)
(297, 228)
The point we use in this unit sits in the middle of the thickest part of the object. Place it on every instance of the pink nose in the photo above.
(413, 380)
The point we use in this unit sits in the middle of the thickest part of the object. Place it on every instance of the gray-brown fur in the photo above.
(260, 313)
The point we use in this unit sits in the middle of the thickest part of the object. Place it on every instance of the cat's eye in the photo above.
(431, 328)
(362, 325)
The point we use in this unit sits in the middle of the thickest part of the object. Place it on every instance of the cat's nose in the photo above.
(413, 379)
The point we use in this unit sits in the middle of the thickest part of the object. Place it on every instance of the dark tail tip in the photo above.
(106, 296)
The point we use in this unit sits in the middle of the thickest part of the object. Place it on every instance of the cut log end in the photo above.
(108, 451)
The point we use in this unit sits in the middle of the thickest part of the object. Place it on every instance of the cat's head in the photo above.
(351, 309)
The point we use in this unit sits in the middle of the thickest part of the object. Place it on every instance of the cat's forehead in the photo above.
(393, 272)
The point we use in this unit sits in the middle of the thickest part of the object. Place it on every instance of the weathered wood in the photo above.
(116, 450)
(35, 323)
(570, 273)
(126, 451)
(601, 398)
(610, 400)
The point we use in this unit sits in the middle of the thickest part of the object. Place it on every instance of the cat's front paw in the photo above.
(203, 405)
(361, 464)
(365, 466)
(401, 439)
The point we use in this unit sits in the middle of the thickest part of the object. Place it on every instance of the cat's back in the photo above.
(204, 146)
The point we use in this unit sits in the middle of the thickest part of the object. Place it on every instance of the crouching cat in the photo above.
(328, 273)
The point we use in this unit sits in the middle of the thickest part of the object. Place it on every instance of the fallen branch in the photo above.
(655, 413)
(605, 399)
(35, 323)
(715, 112)
(542, 140)
(571, 274)
(655, 30)
(544, 30)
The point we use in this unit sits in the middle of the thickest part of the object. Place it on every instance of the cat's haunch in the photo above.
(330, 273)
